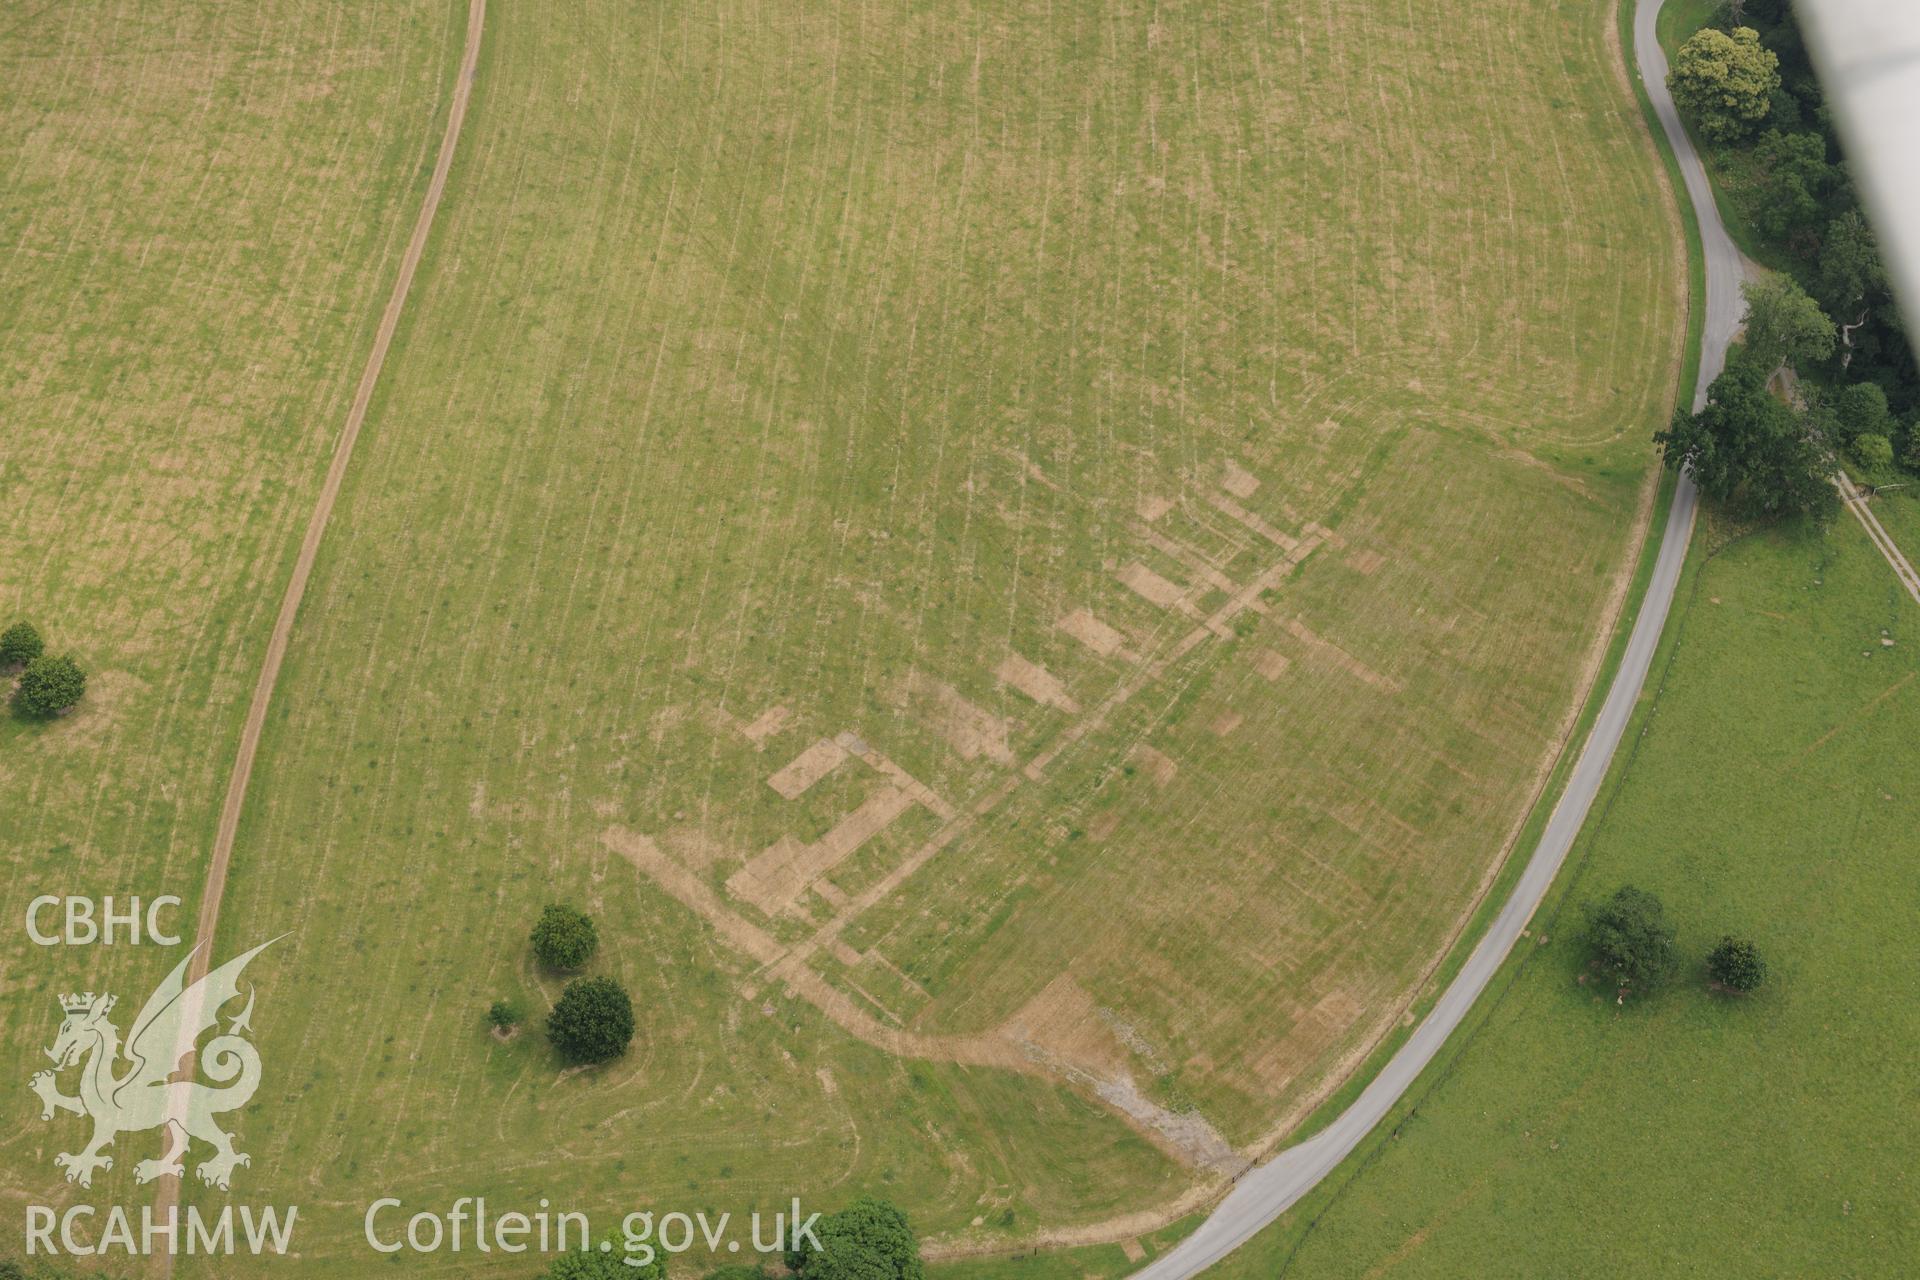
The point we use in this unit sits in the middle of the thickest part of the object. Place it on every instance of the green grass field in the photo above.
(1898, 511)
(1024, 565)
(1770, 794)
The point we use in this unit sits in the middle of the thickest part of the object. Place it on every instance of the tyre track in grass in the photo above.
(1856, 502)
(221, 859)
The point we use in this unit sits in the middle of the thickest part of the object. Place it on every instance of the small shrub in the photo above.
(1736, 964)
(1875, 452)
(564, 938)
(1861, 409)
(504, 1015)
(19, 645)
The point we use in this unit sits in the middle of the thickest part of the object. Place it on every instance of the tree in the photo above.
(1785, 327)
(1630, 939)
(503, 1015)
(870, 1239)
(593, 1021)
(1794, 174)
(1783, 110)
(1736, 965)
(1875, 452)
(19, 645)
(564, 938)
(1850, 278)
(1724, 80)
(1861, 409)
(50, 686)
(736, 1271)
(1750, 450)
(1850, 273)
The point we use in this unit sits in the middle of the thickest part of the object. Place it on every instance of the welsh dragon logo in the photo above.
(144, 1096)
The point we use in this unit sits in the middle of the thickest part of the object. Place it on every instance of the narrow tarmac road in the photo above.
(1263, 1194)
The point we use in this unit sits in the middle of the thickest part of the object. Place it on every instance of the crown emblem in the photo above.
(83, 1003)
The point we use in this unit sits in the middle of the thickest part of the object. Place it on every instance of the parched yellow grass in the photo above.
(1178, 459)
(202, 206)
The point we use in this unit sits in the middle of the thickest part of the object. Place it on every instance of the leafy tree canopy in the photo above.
(564, 938)
(1724, 81)
(870, 1239)
(601, 1264)
(1875, 452)
(1784, 325)
(1631, 941)
(1736, 965)
(1793, 169)
(1861, 409)
(49, 686)
(1750, 450)
(592, 1022)
(1851, 274)
(20, 644)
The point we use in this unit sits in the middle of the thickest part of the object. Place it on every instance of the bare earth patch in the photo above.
(1226, 505)
(1150, 586)
(807, 768)
(1270, 663)
(1151, 509)
(776, 878)
(1096, 635)
(972, 731)
(1238, 481)
(766, 725)
(1036, 682)
(1328, 651)
(1159, 767)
